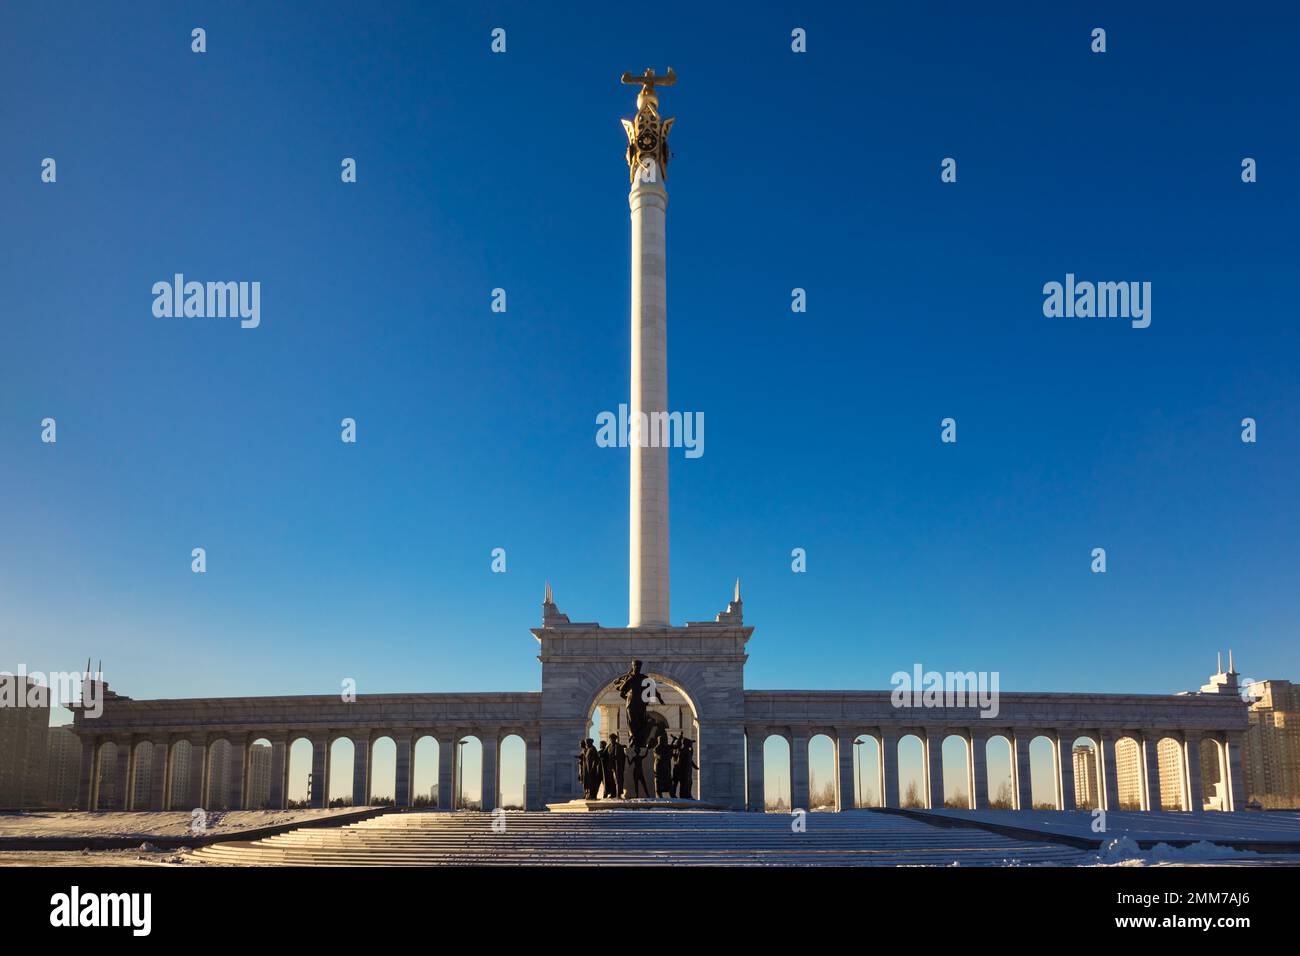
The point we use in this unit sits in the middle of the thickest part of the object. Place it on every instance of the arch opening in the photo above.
(671, 716)
(776, 774)
(866, 771)
(424, 772)
(956, 773)
(1087, 773)
(912, 789)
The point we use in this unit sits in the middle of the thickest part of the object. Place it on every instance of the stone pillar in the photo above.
(402, 793)
(320, 749)
(1192, 767)
(1108, 768)
(720, 754)
(361, 770)
(934, 769)
(198, 785)
(238, 768)
(279, 773)
(1237, 796)
(489, 784)
(86, 774)
(799, 792)
(533, 772)
(979, 760)
(1023, 773)
(158, 773)
(844, 792)
(754, 782)
(648, 538)
(1151, 772)
(889, 768)
(1065, 771)
(446, 771)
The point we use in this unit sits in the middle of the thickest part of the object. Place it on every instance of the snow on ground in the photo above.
(145, 824)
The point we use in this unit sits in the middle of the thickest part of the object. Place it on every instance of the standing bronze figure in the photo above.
(631, 688)
(663, 767)
(684, 767)
(592, 772)
(638, 787)
(618, 759)
(606, 758)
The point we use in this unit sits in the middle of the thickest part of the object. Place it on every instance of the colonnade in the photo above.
(885, 777)
(121, 764)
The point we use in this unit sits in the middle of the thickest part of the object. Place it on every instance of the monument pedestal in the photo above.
(582, 805)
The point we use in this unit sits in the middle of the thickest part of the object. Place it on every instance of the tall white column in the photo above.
(648, 538)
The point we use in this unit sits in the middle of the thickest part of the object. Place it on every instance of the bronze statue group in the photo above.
(602, 770)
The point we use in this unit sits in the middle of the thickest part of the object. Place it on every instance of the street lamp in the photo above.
(857, 760)
(460, 775)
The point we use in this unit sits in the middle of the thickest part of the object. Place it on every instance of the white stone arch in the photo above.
(999, 757)
(867, 766)
(258, 785)
(1214, 777)
(1172, 784)
(512, 769)
(597, 688)
(677, 715)
(778, 765)
(298, 760)
(382, 763)
(107, 786)
(425, 753)
(913, 788)
(467, 771)
(340, 768)
(1042, 773)
(1130, 773)
(1086, 766)
(955, 760)
(823, 770)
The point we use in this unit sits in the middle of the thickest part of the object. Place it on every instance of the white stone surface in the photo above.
(648, 511)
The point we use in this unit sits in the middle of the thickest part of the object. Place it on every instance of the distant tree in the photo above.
(913, 797)
(1003, 800)
(823, 798)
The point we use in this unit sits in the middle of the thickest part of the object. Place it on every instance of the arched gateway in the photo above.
(705, 661)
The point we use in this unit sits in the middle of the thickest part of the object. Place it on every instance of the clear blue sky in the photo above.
(476, 430)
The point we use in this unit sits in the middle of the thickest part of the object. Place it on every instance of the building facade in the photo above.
(1272, 745)
(201, 745)
(24, 743)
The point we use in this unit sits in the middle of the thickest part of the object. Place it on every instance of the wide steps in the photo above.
(631, 838)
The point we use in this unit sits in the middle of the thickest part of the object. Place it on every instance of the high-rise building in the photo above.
(179, 795)
(1085, 778)
(63, 767)
(259, 776)
(24, 732)
(1271, 749)
(1128, 773)
(218, 776)
(1169, 756)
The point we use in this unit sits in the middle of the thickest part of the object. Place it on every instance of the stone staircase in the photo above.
(631, 838)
